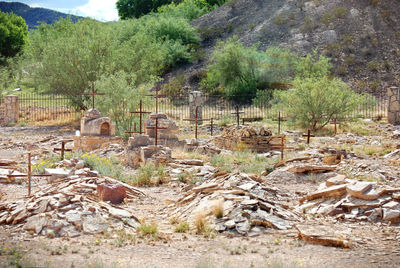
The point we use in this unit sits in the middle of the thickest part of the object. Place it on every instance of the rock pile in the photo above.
(353, 200)
(258, 139)
(248, 206)
(69, 208)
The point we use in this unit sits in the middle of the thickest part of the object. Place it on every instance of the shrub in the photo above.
(218, 210)
(308, 26)
(148, 230)
(188, 9)
(314, 101)
(340, 12)
(237, 71)
(263, 97)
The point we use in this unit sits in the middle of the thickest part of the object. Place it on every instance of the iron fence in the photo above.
(50, 108)
(45, 108)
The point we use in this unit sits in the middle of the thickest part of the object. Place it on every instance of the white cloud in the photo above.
(104, 10)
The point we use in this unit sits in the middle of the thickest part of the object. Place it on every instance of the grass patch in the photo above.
(201, 226)
(149, 175)
(182, 227)
(148, 230)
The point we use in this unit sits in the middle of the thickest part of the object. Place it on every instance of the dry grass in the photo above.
(218, 209)
(200, 223)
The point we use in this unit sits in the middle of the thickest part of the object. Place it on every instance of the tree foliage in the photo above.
(13, 34)
(316, 98)
(136, 8)
(68, 57)
(238, 72)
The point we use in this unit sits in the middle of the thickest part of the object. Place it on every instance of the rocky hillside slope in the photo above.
(33, 16)
(361, 36)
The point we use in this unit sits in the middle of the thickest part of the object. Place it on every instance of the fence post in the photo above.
(393, 105)
(11, 109)
(196, 100)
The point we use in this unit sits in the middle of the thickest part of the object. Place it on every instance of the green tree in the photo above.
(316, 98)
(136, 8)
(13, 34)
(66, 57)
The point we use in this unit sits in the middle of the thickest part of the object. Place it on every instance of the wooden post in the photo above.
(237, 113)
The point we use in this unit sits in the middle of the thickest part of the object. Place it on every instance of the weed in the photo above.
(148, 230)
(174, 220)
(340, 12)
(327, 18)
(106, 166)
(201, 226)
(218, 210)
(187, 177)
(144, 175)
(239, 250)
(308, 26)
(124, 238)
(182, 227)
(374, 3)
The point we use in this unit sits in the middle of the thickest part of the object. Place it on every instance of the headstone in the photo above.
(196, 100)
(393, 105)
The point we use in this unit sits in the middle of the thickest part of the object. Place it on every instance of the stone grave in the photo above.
(97, 132)
(168, 132)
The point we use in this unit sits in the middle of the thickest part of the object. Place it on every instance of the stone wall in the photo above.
(393, 105)
(9, 110)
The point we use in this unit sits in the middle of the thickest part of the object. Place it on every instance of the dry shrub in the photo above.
(218, 210)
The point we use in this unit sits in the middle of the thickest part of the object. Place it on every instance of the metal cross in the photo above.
(29, 175)
(141, 113)
(93, 93)
(197, 120)
(211, 125)
(335, 123)
(62, 149)
(156, 128)
(237, 113)
(282, 146)
(279, 122)
(157, 96)
(308, 135)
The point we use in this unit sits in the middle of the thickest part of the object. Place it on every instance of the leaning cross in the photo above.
(308, 135)
(29, 175)
(335, 123)
(237, 113)
(63, 149)
(157, 96)
(93, 93)
(197, 120)
(156, 128)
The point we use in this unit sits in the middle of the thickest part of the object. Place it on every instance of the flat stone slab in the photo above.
(321, 235)
(337, 190)
(338, 179)
(359, 188)
(57, 173)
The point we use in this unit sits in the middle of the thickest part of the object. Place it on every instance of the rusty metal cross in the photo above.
(29, 175)
(197, 120)
(93, 93)
(237, 113)
(130, 130)
(157, 96)
(141, 113)
(279, 122)
(156, 128)
(335, 123)
(308, 135)
(63, 149)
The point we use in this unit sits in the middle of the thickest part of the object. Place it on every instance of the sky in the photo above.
(103, 10)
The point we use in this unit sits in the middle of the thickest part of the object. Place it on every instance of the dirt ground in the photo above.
(373, 244)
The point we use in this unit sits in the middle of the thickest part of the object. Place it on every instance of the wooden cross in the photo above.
(308, 135)
(29, 175)
(196, 120)
(157, 96)
(282, 146)
(141, 113)
(335, 123)
(156, 128)
(237, 113)
(62, 149)
(93, 93)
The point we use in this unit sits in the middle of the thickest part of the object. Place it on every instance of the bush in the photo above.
(188, 9)
(237, 71)
(315, 101)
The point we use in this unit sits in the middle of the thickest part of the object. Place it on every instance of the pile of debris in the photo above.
(353, 200)
(68, 208)
(258, 139)
(247, 205)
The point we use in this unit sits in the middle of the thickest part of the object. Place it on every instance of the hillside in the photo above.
(361, 36)
(33, 16)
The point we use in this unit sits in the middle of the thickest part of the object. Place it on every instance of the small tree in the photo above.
(314, 101)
